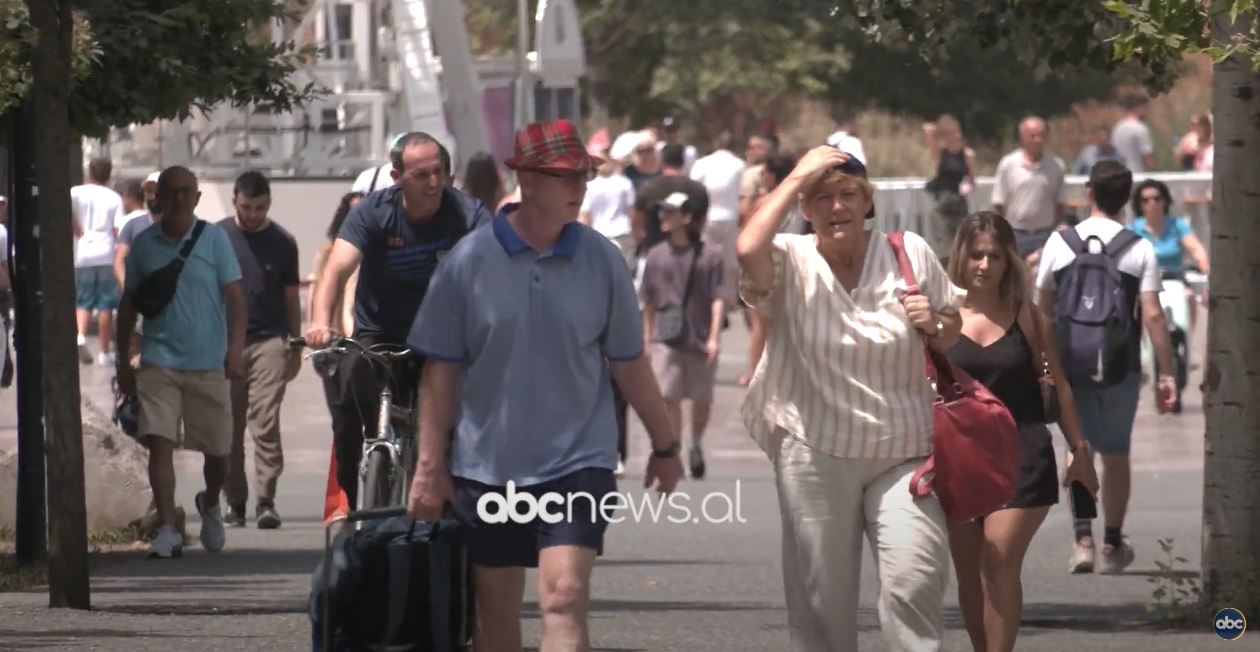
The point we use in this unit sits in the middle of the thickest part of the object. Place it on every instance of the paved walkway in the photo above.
(659, 587)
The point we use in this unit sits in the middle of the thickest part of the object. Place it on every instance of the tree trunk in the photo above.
(67, 516)
(1231, 469)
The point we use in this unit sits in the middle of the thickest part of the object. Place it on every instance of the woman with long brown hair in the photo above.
(1006, 345)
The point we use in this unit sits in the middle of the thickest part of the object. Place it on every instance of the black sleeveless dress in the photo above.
(1006, 367)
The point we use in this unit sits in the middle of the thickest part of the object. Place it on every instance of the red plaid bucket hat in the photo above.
(551, 147)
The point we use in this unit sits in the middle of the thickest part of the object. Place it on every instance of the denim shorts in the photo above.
(95, 288)
(508, 544)
(1107, 414)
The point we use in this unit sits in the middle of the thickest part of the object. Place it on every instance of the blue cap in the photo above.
(852, 167)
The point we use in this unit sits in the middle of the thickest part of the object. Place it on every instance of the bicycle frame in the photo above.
(395, 432)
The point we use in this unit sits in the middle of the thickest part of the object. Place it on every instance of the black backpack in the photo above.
(1096, 319)
(396, 582)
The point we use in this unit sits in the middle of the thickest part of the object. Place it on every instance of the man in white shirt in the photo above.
(670, 136)
(607, 206)
(1028, 189)
(720, 173)
(846, 137)
(1107, 412)
(1132, 138)
(97, 213)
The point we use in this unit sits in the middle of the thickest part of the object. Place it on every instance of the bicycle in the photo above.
(388, 461)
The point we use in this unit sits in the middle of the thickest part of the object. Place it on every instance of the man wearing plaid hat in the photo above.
(524, 324)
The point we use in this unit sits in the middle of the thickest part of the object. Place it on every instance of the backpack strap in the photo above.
(1121, 243)
(1073, 240)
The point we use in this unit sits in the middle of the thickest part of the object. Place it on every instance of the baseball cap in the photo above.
(676, 200)
(670, 122)
(153, 176)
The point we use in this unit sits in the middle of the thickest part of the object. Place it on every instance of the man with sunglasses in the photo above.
(395, 237)
(525, 323)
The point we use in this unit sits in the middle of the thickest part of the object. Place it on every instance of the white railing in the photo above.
(904, 204)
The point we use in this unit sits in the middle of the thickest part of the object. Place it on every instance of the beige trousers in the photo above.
(256, 400)
(828, 504)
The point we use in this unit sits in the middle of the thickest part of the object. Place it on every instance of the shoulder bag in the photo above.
(157, 289)
(975, 443)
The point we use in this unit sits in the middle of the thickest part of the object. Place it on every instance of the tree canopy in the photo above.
(736, 61)
(141, 60)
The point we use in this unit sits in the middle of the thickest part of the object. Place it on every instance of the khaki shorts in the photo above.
(683, 374)
(201, 400)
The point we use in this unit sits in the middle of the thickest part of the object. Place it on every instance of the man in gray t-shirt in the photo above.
(1132, 138)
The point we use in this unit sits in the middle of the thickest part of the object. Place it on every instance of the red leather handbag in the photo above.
(975, 442)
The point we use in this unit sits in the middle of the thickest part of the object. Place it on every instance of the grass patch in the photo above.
(19, 578)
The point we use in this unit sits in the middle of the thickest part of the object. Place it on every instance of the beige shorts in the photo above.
(201, 400)
(683, 374)
(723, 234)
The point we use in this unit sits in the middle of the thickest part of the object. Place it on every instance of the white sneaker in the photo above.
(213, 536)
(621, 470)
(1082, 560)
(1115, 559)
(167, 544)
(105, 359)
(85, 354)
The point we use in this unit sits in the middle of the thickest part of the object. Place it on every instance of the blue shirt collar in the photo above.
(566, 244)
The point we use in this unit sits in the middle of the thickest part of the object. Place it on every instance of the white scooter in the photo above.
(1178, 304)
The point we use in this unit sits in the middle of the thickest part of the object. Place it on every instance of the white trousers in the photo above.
(827, 504)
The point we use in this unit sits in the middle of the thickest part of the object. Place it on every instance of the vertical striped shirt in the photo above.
(844, 372)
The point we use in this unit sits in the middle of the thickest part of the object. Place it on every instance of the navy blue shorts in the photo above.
(512, 536)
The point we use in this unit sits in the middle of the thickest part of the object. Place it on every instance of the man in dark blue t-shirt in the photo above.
(395, 237)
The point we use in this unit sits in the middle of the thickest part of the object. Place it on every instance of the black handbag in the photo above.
(671, 323)
(157, 289)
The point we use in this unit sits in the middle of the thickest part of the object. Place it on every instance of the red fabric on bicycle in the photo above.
(975, 443)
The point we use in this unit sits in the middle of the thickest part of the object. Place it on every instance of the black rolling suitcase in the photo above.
(395, 584)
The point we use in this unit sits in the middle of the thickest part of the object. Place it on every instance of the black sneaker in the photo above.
(235, 516)
(696, 459)
(268, 519)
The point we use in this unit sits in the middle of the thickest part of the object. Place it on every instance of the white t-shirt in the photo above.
(848, 144)
(363, 183)
(4, 244)
(97, 210)
(720, 173)
(1138, 260)
(1132, 138)
(609, 200)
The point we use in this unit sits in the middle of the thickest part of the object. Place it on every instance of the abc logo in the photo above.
(1229, 624)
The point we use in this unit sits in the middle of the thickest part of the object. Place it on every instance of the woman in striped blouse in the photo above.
(841, 404)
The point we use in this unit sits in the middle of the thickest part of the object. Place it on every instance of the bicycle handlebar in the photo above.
(343, 344)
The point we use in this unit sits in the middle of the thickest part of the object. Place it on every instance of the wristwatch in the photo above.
(1083, 447)
(940, 328)
(667, 452)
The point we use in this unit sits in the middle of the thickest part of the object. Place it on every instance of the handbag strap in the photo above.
(1037, 340)
(691, 273)
(938, 367)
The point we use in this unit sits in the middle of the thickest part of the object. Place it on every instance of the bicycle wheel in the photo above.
(375, 491)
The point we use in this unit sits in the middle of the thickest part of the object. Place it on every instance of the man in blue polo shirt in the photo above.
(524, 323)
(394, 237)
(184, 353)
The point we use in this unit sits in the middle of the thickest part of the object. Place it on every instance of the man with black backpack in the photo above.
(1093, 280)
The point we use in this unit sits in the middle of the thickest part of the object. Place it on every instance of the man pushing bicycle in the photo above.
(395, 237)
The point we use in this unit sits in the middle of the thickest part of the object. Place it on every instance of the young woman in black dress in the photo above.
(998, 348)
